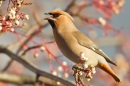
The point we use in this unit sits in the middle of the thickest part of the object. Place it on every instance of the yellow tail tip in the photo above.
(119, 82)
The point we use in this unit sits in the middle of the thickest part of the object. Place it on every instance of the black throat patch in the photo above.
(52, 23)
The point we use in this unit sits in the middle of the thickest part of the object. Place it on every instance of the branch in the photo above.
(17, 79)
(70, 5)
(33, 68)
(23, 79)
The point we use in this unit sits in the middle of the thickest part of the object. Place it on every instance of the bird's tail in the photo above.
(107, 69)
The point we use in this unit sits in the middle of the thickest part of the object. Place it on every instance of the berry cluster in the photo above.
(12, 17)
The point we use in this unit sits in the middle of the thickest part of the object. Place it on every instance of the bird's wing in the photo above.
(86, 42)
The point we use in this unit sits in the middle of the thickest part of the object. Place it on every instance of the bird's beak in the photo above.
(50, 17)
(46, 13)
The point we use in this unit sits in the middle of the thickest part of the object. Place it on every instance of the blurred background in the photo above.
(106, 22)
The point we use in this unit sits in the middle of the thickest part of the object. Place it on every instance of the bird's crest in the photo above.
(62, 13)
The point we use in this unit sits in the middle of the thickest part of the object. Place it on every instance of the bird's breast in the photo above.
(64, 48)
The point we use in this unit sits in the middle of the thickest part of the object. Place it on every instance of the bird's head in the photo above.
(58, 17)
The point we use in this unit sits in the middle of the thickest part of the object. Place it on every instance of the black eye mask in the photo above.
(56, 15)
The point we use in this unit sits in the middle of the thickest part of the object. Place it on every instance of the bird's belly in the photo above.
(75, 55)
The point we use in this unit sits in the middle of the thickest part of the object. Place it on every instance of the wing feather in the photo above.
(86, 42)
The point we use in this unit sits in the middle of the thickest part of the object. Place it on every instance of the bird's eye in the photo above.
(56, 15)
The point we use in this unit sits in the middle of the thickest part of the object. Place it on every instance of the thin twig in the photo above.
(8, 64)
(37, 46)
